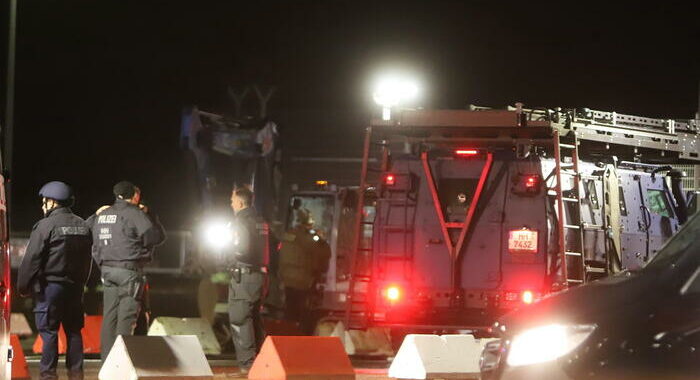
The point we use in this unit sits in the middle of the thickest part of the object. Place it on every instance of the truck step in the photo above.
(399, 202)
(391, 256)
(590, 269)
(569, 172)
(553, 193)
(395, 228)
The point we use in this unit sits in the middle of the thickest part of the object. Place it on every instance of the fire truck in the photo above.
(467, 214)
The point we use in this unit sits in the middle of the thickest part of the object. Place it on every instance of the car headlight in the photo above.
(546, 343)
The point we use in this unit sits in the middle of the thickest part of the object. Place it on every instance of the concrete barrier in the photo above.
(156, 358)
(302, 358)
(373, 341)
(437, 357)
(19, 325)
(199, 327)
(341, 333)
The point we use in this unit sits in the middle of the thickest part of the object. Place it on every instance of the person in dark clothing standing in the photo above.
(54, 269)
(303, 263)
(247, 277)
(123, 240)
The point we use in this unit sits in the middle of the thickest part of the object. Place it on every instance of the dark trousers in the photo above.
(244, 300)
(297, 307)
(60, 304)
(123, 290)
(143, 321)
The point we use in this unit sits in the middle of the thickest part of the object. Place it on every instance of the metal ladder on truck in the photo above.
(366, 265)
(398, 223)
(574, 269)
(357, 305)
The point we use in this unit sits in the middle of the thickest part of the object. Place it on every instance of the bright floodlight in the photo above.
(218, 234)
(392, 91)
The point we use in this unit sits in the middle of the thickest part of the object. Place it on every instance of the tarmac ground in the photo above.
(375, 369)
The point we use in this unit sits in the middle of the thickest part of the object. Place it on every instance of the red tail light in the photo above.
(466, 152)
(393, 293)
(531, 181)
(527, 184)
(390, 180)
(528, 297)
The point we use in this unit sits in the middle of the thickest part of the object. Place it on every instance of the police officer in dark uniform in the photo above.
(124, 237)
(247, 278)
(55, 267)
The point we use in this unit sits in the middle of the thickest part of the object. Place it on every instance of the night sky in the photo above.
(100, 84)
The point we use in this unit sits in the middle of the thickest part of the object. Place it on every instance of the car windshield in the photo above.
(677, 245)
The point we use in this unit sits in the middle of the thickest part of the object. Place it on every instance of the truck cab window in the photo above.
(456, 195)
(658, 203)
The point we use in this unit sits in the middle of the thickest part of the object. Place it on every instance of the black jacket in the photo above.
(58, 251)
(248, 243)
(124, 233)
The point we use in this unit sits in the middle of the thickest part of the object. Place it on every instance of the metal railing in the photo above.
(174, 256)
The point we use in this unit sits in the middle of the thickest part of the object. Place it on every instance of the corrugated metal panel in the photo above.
(691, 180)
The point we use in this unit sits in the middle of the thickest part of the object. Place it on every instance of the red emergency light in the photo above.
(390, 180)
(466, 152)
(531, 181)
(393, 293)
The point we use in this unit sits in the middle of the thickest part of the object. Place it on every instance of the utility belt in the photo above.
(130, 265)
(246, 270)
(238, 270)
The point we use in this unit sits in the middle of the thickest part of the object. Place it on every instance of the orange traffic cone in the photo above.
(19, 363)
(90, 333)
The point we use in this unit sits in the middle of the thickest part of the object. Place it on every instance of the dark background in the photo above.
(100, 84)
